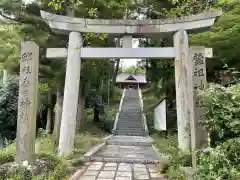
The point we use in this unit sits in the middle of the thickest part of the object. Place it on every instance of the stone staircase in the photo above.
(130, 142)
(128, 149)
(130, 119)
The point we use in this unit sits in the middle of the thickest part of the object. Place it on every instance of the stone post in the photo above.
(198, 133)
(71, 90)
(184, 92)
(27, 102)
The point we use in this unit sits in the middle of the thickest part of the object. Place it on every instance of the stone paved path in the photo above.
(121, 171)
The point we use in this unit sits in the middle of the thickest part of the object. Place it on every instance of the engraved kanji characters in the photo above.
(26, 69)
(25, 82)
(27, 56)
(198, 59)
(198, 76)
(198, 72)
(25, 102)
(23, 117)
(199, 86)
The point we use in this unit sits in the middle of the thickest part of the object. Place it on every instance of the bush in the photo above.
(7, 154)
(222, 117)
(221, 162)
(46, 166)
(169, 146)
(8, 109)
(222, 121)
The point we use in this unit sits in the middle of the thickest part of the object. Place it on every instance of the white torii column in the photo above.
(183, 82)
(70, 99)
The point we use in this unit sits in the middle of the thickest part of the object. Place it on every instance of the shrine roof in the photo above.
(135, 78)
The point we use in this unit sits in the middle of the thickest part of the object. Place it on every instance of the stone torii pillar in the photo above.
(183, 83)
(71, 90)
(190, 75)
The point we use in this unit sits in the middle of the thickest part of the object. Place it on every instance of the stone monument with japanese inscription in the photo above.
(27, 102)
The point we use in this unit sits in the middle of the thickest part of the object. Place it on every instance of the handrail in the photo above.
(119, 110)
(143, 115)
(145, 123)
(141, 100)
(121, 101)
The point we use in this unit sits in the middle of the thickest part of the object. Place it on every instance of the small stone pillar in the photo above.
(27, 102)
(184, 92)
(198, 133)
(71, 90)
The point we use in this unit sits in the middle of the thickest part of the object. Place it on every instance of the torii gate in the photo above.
(190, 67)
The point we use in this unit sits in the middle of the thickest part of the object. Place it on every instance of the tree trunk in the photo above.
(58, 116)
(81, 106)
(117, 64)
(49, 113)
(96, 114)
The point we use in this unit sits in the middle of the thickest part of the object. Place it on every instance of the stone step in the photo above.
(130, 128)
(129, 133)
(130, 115)
(130, 141)
(126, 154)
(126, 129)
(129, 120)
(124, 160)
(126, 118)
(134, 125)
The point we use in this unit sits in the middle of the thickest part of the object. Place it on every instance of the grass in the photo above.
(168, 145)
(55, 167)
(7, 154)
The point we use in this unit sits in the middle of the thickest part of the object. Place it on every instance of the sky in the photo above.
(124, 62)
(130, 62)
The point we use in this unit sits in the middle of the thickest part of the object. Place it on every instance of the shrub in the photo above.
(19, 173)
(222, 117)
(49, 167)
(7, 154)
(169, 146)
(8, 108)
(221, 162)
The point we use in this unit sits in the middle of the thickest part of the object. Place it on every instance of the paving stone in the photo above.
(139, 165)
(155, 175)
(141, 176)
(95, 167)
(91, 173)
(124, 164)
(97, 163)
(141, 170)
(107, 174)
(110, 168)
(124, 168)
(140, 173)
(123, 178)
(124, 174)
(151, 170)
(111, 164)
(87, 178)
